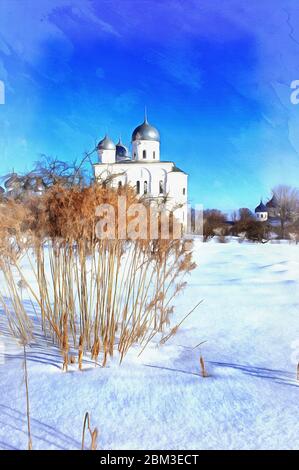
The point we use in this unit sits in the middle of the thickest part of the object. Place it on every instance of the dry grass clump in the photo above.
(94, 295)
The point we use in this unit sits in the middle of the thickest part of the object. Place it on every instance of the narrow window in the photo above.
(184, 191)
(144, 154)
(119, 184)
(154, 155)
(134, 155)
(138, 187)
(145, 187)
(161, 187)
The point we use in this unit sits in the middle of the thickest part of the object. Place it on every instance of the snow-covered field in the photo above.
(250, 322)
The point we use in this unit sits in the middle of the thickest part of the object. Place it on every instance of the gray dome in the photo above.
(121, 150)
(146, 132)
(106, 144)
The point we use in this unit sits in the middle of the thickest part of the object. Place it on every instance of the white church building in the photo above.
(160, 181)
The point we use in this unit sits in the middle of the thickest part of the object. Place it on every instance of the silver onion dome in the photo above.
(146, 132)
(121, 150)
(106, 144)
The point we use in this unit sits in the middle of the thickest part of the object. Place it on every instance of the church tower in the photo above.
(146, 143)
(261, 212)
(106, 150)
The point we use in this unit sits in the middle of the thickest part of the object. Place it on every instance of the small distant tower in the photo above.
(272, 207)
(146, 142)
(106, 150)
(261, 212)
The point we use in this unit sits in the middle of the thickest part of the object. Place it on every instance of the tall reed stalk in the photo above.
(20, 326)
(27, 400)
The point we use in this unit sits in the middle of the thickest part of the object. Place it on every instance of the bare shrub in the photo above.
(214, 223)
(246, 226)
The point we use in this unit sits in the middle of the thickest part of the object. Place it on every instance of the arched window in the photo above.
(134, 155)
(138, 187)
(161, 189)
(144, 154)
(184, 191)
(154, 155)
(145, 187)
(120, 184)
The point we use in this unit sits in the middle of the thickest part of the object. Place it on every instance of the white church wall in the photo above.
(177, 186)
(177, 192)
(152, 173)
(107, 156)
(175, 183)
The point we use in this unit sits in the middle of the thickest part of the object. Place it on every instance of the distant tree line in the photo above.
(243, 223)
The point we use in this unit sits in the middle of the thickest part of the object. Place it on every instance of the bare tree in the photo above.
(47, 172)
(245, 214)
(214, 222)
(54, 171)
(287, 199)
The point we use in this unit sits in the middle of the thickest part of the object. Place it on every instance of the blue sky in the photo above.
(214, 75)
